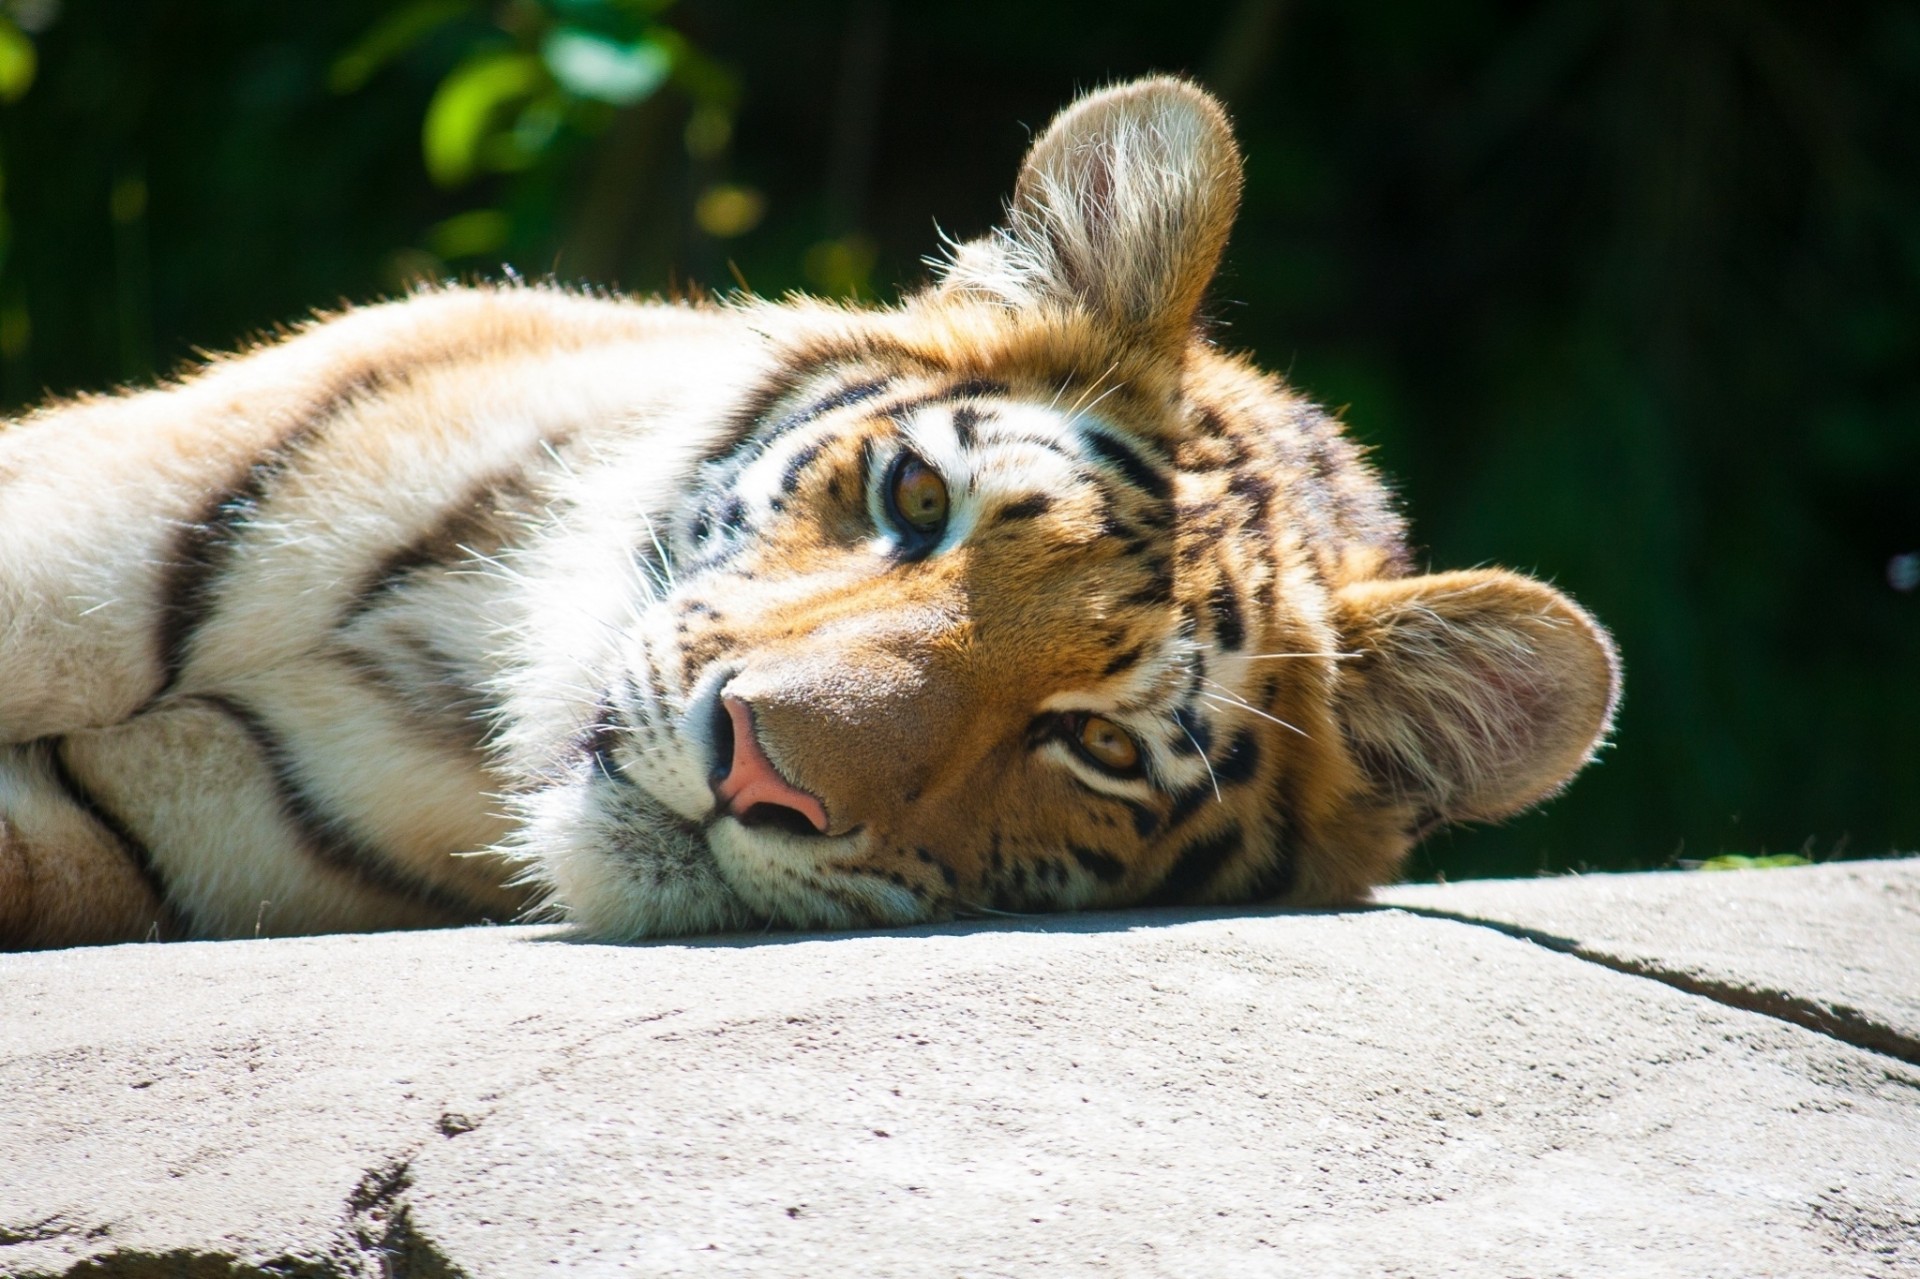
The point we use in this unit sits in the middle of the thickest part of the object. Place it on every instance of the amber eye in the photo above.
(1108, 745)
(917, 496)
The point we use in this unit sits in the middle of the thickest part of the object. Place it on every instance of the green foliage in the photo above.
(1763, 861)
(532, 83)
(461, 132)
(1623, 292)
(17, 60)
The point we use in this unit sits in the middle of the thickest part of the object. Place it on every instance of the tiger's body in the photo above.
(667, 617)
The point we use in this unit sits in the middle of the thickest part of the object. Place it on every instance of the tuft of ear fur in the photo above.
(1123, 207)
(1476, 694)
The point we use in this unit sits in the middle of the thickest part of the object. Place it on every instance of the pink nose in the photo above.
(752, 780)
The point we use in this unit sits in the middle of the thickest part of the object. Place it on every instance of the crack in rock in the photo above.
(381, 1224)
(1835, 1021)
(41, 1231)
(379, 1242)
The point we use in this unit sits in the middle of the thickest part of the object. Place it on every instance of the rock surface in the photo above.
(1685, 1074)
(1835, 948)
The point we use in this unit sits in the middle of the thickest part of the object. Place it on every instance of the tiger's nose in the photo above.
(749, 786)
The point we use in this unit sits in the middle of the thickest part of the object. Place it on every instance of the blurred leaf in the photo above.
(17, 61)
(469, 235)
(390, 37)
(605, 70)
(465, 106)
(1766, 861)
(729, 209)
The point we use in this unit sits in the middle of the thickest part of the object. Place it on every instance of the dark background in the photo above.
(1625, 293)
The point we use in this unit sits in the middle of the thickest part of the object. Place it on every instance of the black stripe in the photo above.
(1102, 866)
(428, 694)
(1026, 508)
(839, 399)
(1187, 803)
(447, 543)
(1197, 735)
(797, 465)
(136, 850)
(1121, 662)
(974, 388)
(1150, 480)
(1196, 866)
(1229, 631)
(966, 422)
(325, 836)
(1241, 760)
(1254, 489)
(750, 419)
(758, 405)
(206, 546)
(1159, 587)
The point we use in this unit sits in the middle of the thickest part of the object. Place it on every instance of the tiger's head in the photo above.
(1020, 596)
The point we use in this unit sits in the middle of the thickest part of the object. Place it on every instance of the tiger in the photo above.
(517, 601)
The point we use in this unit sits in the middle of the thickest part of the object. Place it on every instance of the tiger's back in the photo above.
(1017, 596)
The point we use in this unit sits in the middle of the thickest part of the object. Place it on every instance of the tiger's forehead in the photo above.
(1060, 519)
(1000, 451)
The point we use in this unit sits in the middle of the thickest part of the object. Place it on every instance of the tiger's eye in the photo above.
(1109, 745)
(919, 495)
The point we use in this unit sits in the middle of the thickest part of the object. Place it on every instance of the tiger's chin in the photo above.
(792, 879)
(618, 863)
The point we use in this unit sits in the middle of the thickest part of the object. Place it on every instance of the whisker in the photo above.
(1004, 914)
(1073, 413)
(1248, 706)
(666, 564)
(1263, 657)
(1078, 413)
(1059, 391)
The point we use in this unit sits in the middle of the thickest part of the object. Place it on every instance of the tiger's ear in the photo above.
(1474, 694)
(1122, 206)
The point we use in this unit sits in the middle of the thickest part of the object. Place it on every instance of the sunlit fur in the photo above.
(425, 612)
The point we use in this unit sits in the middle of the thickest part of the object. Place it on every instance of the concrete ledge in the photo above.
(1195, 1093)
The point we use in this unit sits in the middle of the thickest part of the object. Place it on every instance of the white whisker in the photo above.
(1003, 914)
(1079, 413)
(666, 564)
(1073, 413)
(1250, 707)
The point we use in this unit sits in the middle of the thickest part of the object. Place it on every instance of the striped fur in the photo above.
(433, 611)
